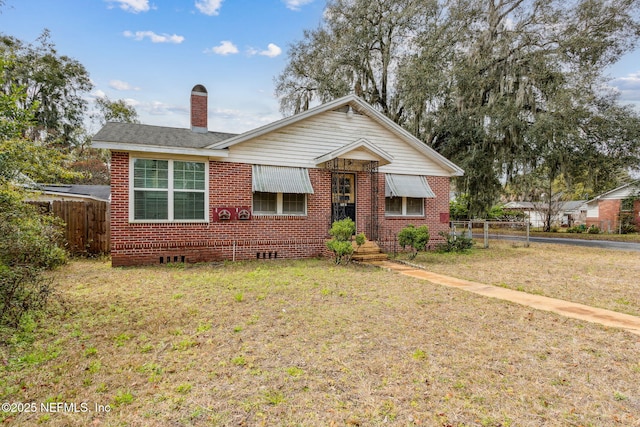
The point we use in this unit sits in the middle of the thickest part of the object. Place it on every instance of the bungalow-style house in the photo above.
(191, 195)
(565, 214)
(606, 210)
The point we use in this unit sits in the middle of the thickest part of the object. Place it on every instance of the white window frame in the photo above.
(279, 205)
(170, 191)
(404, 208)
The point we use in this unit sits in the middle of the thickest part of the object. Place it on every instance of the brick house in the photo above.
(193, 195)
(605, 210)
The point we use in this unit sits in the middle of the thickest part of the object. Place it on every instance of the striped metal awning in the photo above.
(407, 186)
(281, 179)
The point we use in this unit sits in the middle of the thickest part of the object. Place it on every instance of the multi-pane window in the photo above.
(293, 204)
(265, 203)
(169, 190)
(404, 206)
(189, 190)
(279, 203)
(393, 205)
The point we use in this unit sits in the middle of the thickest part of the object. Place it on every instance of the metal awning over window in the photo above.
(407, 186)
(281, 179)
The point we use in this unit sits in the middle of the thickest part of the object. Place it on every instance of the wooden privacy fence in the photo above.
(86, 224)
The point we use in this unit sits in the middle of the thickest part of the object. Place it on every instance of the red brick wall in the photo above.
(609, 214)
(391, 226)
(262, 236)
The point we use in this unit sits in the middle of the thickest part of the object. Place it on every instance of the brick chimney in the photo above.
(199, 109)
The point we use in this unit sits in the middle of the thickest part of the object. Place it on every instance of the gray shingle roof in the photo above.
(98, 191)
(135, 133)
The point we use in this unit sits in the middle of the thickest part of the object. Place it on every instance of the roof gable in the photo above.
(621, 192)
(360, 107)
(361, 149)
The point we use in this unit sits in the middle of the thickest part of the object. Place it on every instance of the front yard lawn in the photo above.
(283, 343)
(598, 277)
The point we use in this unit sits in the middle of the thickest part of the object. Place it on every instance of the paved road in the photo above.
(604, 244)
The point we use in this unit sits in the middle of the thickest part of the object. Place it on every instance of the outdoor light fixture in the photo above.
(349, 112)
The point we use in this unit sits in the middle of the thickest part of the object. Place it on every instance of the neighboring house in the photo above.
(78, 193)
(84, 209)
(573, 213)
(604, 211)
(192, 195)
(564, 213)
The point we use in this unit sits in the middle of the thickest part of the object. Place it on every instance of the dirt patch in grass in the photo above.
(308, 343)
(596, 277)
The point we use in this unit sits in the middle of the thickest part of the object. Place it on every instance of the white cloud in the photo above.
(272, 51)
(628, 88)
(132, 102)
(224, 48)
(209, 7)
(155, 38)
(296, 4)
(134, 6)
(98, 93)
(632, 81)
(120, 85)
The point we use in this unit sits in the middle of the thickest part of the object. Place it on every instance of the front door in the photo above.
(343, 196)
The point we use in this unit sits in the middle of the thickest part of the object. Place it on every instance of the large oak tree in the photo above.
(502, 87)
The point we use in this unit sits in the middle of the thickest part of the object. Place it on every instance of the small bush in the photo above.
(341, 250)
(415, 238)
(343, 230)
(29, 244)
(593, 230)
(627, 223)
(454, 243)
(340, 245)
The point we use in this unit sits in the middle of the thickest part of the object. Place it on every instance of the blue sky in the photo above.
(152, 52)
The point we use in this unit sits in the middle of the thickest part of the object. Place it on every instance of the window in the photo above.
(280, 190)
(279, 203)
(404, 206)
(405, 194)
(168, 190)
(266, 203)
(627, 204)
(293, 204)
(414, 206)
(393, 205)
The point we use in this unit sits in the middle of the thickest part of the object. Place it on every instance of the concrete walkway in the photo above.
(565, 308)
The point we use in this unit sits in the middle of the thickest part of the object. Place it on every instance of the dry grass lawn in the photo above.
(306, 343)
(598, 277)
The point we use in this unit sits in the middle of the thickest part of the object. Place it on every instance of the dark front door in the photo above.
(343, 196)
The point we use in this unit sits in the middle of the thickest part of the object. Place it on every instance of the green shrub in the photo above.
(454, 243)
(593, 230)
(627, 223)
(414, 238)
(29, 244)
(341, 250)
(340, 244)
